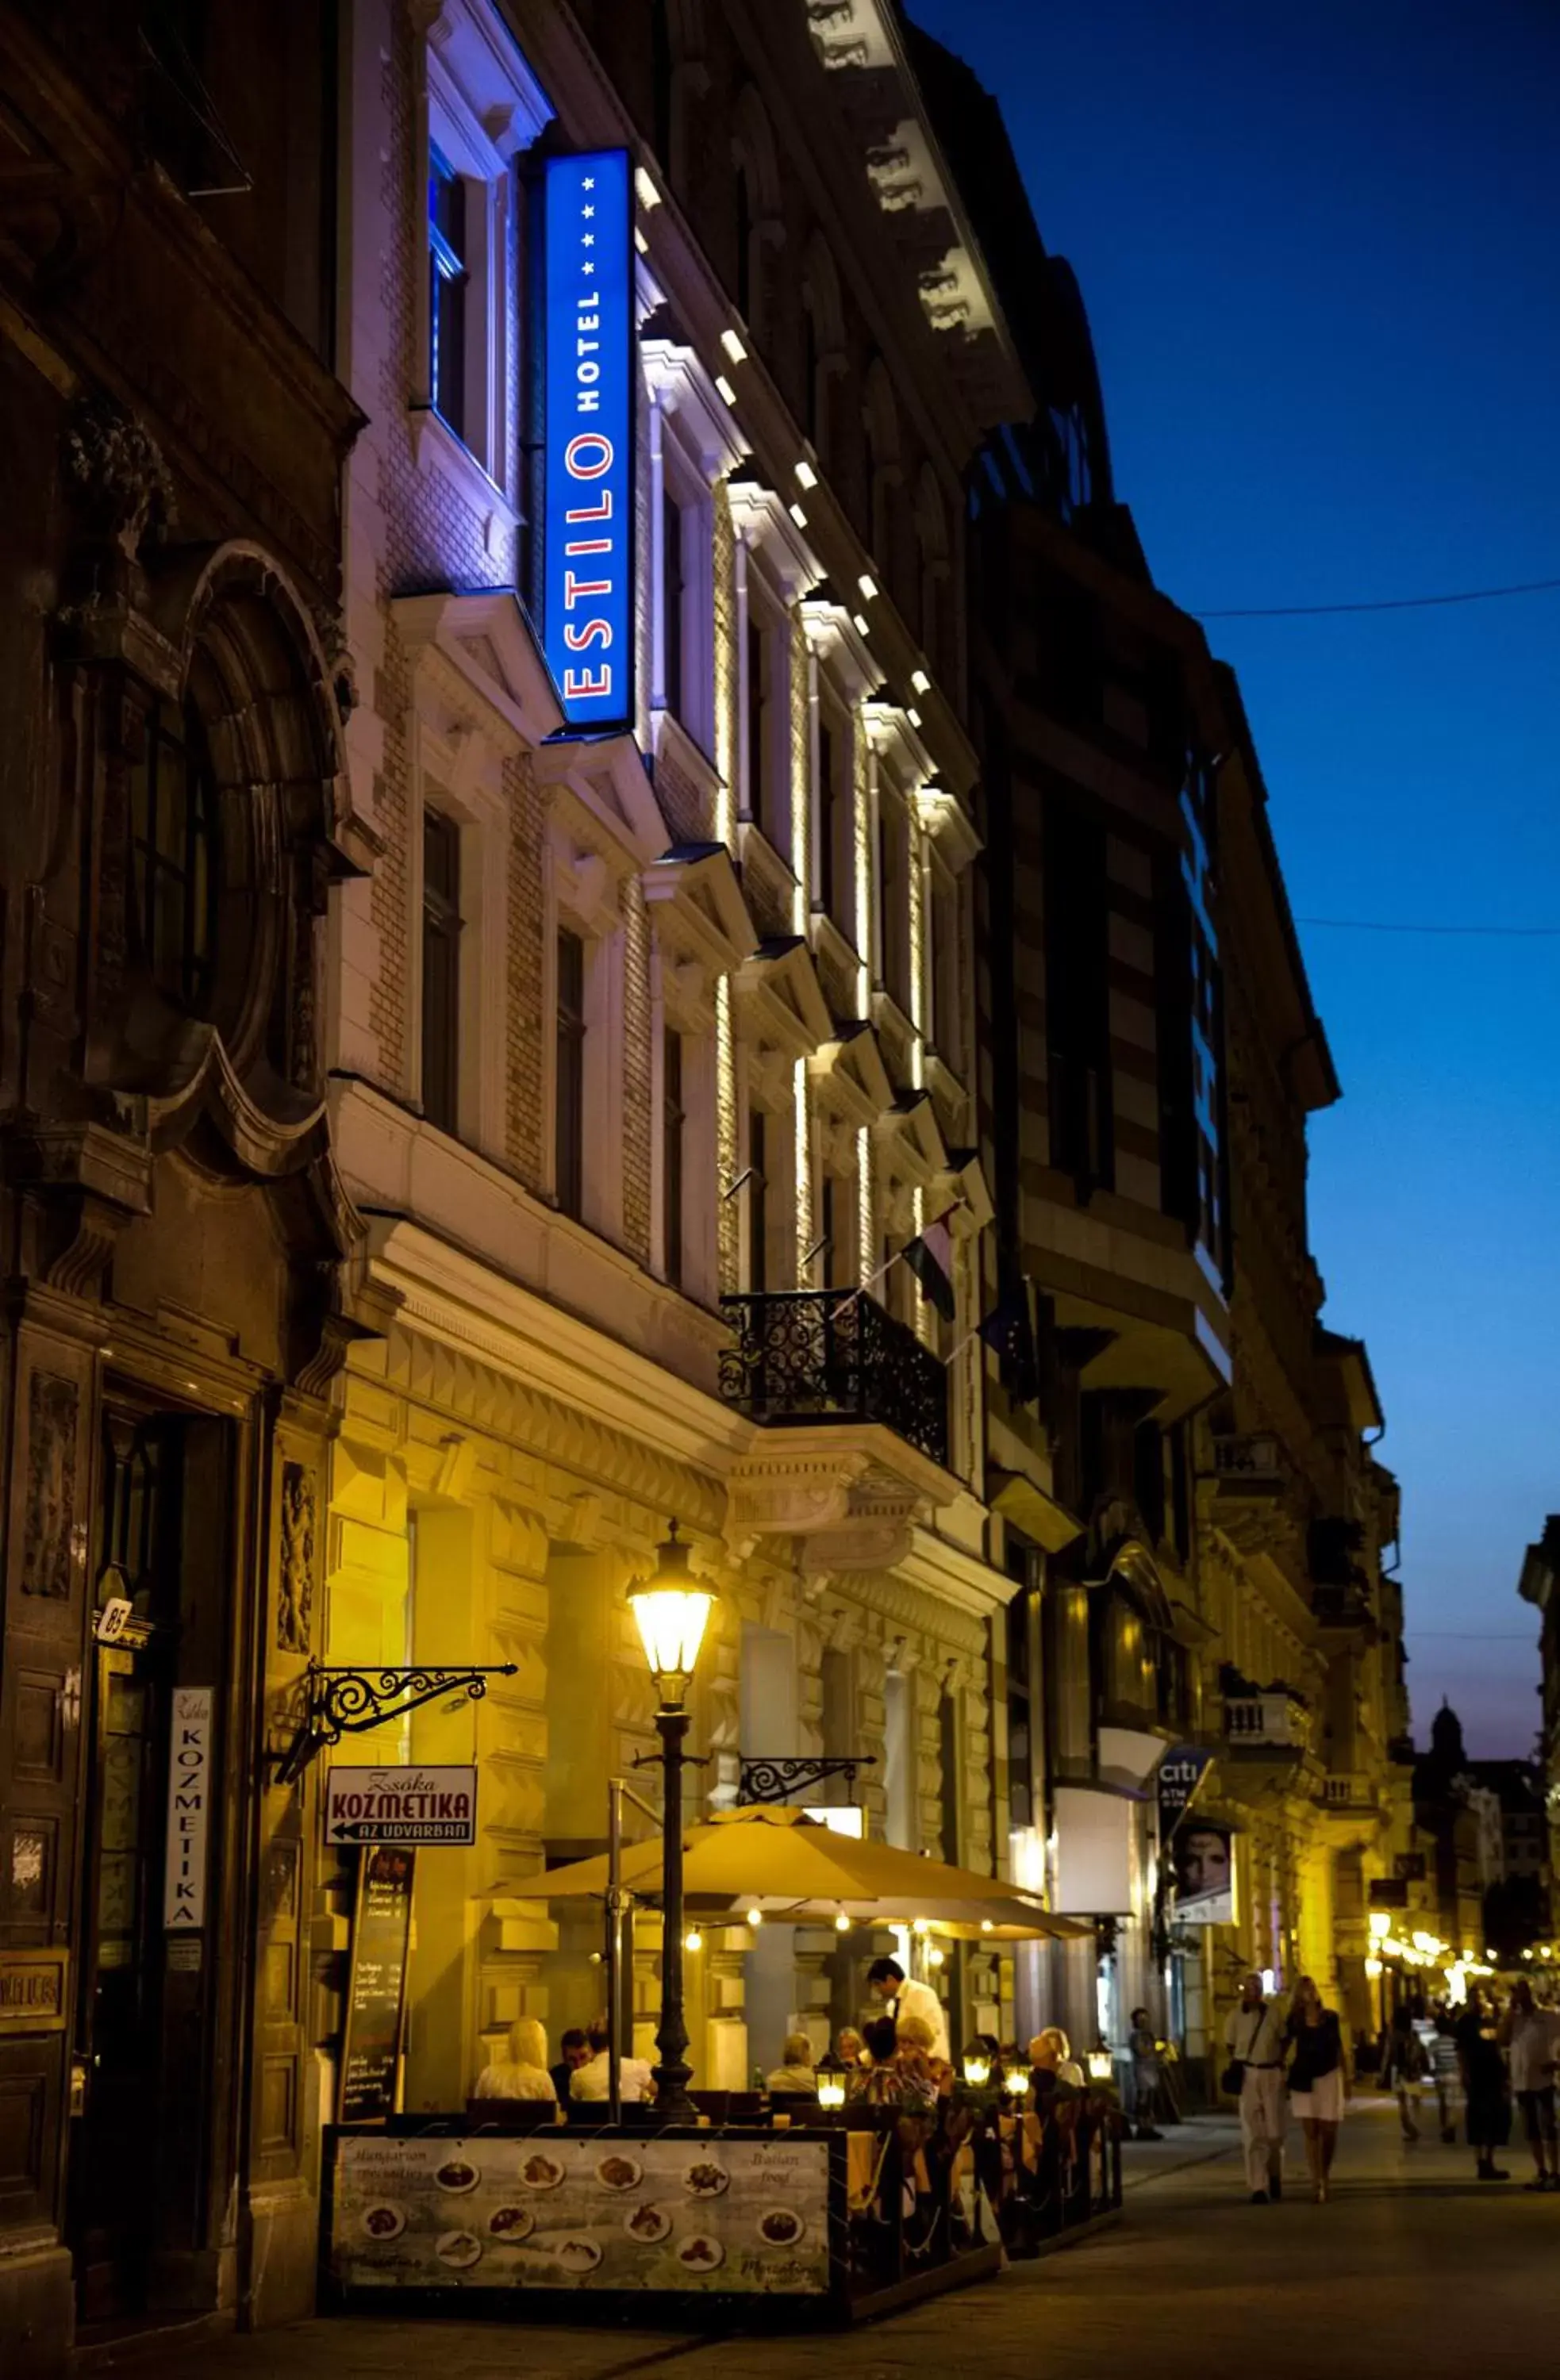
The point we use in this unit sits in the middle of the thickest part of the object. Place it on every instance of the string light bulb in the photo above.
(693, 1940)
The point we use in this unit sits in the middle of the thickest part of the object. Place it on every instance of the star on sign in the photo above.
(587, 211)
(586, 267)
(587, 239)
(587, 182)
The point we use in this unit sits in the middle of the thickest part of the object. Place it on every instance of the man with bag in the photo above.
(1254, 2038)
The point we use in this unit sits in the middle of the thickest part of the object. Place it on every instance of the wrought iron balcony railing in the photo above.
(834, 1354)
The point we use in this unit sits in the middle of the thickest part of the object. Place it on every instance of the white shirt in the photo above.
(507, 2081)
(920, 1999)
(1535, 2043)
(1256, 2035)
(593, 2079)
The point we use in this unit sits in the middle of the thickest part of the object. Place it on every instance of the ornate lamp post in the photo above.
(671, 1609)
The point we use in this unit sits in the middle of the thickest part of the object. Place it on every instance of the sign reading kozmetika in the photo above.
(588, 526)
(401, 1806)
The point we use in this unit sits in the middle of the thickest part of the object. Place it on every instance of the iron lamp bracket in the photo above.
(340, 1700)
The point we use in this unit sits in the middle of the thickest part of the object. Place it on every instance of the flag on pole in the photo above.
(1008, 1331)
(930, 1257)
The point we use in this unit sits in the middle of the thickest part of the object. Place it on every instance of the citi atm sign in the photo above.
(588, 567)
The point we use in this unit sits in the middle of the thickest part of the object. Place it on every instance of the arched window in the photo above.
(744, 245)
(174, 873)
(760, 207)
(884, 476)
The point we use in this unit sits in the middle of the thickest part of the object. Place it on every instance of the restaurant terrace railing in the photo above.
(834, 1354)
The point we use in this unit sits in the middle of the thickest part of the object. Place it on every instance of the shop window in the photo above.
(441, 970)
(568, 1130)
(174, 851)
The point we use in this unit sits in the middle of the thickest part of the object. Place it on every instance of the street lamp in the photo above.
(671, 1610)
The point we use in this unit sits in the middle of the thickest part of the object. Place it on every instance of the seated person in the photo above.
(576, 2050)
(849, 2046)
(916, 2058)
(795, 2072)
(875, 2080)
(522, 2074)
(592, 2080)
(1051, 2053)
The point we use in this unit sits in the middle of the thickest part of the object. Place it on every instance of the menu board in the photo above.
(545, 2211)
(377, 1990)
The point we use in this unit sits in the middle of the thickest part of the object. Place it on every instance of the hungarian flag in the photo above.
(930, 1257)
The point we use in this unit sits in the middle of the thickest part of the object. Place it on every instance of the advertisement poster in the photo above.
(1204, 1858)
(548, 2210)
(377, 1986)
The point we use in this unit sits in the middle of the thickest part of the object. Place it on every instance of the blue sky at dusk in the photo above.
(1320, 247)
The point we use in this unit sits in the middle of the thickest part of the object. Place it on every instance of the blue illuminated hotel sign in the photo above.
(588, 530)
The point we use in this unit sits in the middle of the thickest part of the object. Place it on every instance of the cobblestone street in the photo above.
(1411, 2269)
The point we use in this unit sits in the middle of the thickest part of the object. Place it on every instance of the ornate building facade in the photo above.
(183, 1263)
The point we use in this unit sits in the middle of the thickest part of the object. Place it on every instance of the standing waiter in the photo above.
(1254, 2038)
(901, 1999)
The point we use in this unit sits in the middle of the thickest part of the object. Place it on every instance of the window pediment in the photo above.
(839, 645)
(849, 1079)
(686, 393)
(919, 1151)
(698, 909)
(764, 520)
(476, 59)
(779, 1001)
(941, 816)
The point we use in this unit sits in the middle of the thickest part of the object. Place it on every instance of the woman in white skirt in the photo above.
(1318, 2087)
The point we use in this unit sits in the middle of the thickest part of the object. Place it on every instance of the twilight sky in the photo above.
(1320, 247)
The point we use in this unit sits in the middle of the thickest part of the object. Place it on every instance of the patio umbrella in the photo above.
(786, 1864)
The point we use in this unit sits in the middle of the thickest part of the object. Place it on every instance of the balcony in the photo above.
(1251, 1465)
(1337, 1605)
(834, 1356)
(1266, 1722)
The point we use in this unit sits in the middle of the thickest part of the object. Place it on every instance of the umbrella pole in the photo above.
(615, 1947)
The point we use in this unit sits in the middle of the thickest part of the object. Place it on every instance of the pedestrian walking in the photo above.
(1530, 2037)
(1443, 2069)
(1254, 2038)
(1144, 2076)
(1488, 2110)
(1404, 2067)
(1318, 2082)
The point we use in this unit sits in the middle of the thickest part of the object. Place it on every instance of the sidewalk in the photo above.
(1194, 2141)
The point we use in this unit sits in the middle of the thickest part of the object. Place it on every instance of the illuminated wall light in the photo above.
(640, 242)
(863, 627)
(919, 682)
(868, 587)
(645, 190)
(735, 351)
(912, 714)
(728, 395)
(798, 515)
(806, 476)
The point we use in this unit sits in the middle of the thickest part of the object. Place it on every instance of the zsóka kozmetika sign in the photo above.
(401, 1806)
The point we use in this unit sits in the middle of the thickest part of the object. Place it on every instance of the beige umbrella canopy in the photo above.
(786, 1864)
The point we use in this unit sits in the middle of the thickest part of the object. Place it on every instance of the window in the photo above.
(448, 282)
(172, 832)
(441, 970)
(568, 1128)
(809, 364)
(761, 726)
(672, 592)
(1078, 997)
(893, 897)
(758, 1206)
(673, 1123)
(744, 247)
(828, 1217)
(946, 994)
(828, 824)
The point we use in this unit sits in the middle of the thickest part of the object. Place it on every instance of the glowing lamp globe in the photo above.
(831, 2083)
(977, 2069)
(671, 1610)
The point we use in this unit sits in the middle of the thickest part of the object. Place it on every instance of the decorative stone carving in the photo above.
(295, 1585)
(122, 486)
(48, 1536)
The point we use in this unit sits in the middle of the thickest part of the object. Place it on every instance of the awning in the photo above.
(788, 1865)
(1050, 1525)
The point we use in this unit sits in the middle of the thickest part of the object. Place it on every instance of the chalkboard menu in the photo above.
(376, 1993)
